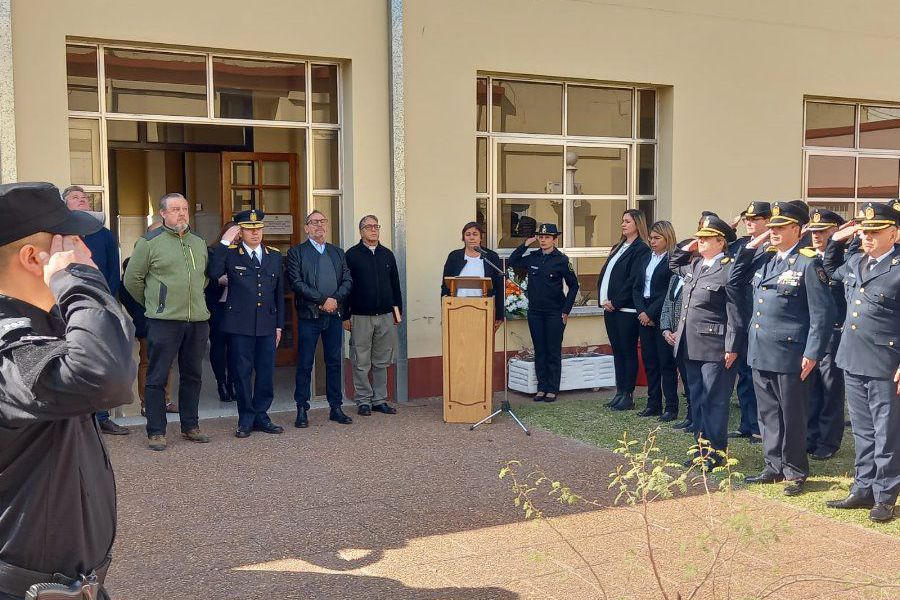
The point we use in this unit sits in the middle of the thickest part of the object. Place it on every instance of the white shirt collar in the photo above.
(782, 255)
(319, 247)
(257, 252)
(710, 261)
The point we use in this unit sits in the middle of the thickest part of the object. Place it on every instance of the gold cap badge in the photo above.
(750, 209)
(817, 217)
(776, 210)
(870, 212)
(253, 215)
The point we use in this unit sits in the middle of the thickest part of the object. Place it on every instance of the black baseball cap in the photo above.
(35, 207)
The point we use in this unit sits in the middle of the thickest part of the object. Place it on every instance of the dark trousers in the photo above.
(746, 397)
(547, 329)
(622, 330)
(825, 426)
(309, 331)
(680, 362)
(711, 385)
(781, 399)
(165, 341)
(659, 364)
(875, 417)
(218, 343)
(252, 356)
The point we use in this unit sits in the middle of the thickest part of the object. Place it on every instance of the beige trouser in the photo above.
(373, 346)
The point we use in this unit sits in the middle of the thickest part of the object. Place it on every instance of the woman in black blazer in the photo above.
(475, 260)
(650, 288)
(616, 295)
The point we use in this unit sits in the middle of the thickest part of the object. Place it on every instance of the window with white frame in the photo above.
(851, 153)
(576, 154)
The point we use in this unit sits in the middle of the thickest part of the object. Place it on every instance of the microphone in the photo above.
(479, 249)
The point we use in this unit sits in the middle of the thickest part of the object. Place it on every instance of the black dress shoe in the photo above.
(649, 412)
(338, 416)
(738, 434)
(667, 417)
(269, 427)
(852, 501)
(881, 512)
(626, 403)
(302, 420)
(764, 477)
(614, 400)
(242, 433)
(683, 425)
(364, 410)
(110, 427)
(224, 392)
(384, 408)
(794, 488)
(822, 454)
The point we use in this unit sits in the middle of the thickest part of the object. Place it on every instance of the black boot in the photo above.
(223, 389)
(626, 403)
(302, 420)
(614, 400)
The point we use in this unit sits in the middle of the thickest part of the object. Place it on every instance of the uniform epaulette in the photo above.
(232, 246)
(771, 249)
(808, 252)
(725, 260)
(273, 249)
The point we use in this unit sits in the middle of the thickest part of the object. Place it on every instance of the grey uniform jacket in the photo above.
(710, 322)
(57, 493)
(870, 344)
(793, 310)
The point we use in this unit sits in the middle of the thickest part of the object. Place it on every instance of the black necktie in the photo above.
(254, 261)
(871, 265)
(704, 269)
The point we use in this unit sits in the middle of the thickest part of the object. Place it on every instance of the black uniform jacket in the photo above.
(626, 269)
(57, 492)
(711, 322)
(303, 272)
(255, 302)
(659, 285)
(793, 311)
(870, 344)
(454, 264)
(546, 273)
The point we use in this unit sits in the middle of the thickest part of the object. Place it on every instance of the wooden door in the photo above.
(267, 181)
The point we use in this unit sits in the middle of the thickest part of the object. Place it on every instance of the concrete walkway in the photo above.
(406, 507)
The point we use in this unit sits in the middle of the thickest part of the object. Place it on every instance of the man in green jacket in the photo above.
(167, 274)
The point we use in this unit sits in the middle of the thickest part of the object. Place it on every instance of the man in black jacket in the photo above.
(370, 317)
(65, 353)
(317, 273)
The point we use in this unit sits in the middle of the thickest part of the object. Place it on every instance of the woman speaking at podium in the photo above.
(548, 307)
(473, 260)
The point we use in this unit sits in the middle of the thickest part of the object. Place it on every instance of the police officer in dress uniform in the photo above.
(710, 333)
(65, 353)
(790, 328)
(869, 354)
(825, 425)
(548, 308)
(254, 317)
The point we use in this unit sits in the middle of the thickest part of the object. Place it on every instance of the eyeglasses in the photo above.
(375, 227)
(317, 222)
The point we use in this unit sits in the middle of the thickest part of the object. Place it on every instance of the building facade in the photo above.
(512, 112)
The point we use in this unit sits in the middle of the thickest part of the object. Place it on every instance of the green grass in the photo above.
(585, 418)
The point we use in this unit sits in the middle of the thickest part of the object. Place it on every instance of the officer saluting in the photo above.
(870, 356)
(790, 327)
(254, 317)
(65, 353)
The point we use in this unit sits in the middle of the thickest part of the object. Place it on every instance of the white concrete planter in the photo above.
(578, 373)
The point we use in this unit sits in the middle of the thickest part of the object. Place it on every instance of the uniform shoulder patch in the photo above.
(726, 260)
(771, 249)
(808, 252)
(821, 274)
(232, 246)
(273, 249)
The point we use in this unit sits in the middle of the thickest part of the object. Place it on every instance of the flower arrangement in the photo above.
(516, 301)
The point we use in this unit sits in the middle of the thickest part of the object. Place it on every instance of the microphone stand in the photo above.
(504, 406)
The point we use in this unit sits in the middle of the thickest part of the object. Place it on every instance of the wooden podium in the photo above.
(468, 335)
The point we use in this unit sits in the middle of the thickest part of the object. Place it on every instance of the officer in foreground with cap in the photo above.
(789, 332)
(65, 353)
(710, 333)
(254, 317)
(825, 424)
(548, 307)
(869, 354)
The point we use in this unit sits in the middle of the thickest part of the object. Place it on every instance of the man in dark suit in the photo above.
(253, 319)
(318, 274)
(788, 336)
(869, 354)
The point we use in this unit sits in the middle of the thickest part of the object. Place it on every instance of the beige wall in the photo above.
(733, 76)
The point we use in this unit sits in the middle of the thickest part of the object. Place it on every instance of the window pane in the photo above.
(831, 177)
(481, 98)
(526, 107)
(529, 169)
(830, 124)
(325, 160)
(519, 218)
(647, 114)
(845, 209)
(81, 75)
(244, 172)
(588, 272)
(481, 211)
(648, 207)
(878, 177)
(879, 127)
(330, 206)
(122, 131)
(599, 111)
(481, 178)
(258, 89)
(324, 94)
(598, 170)
(646, 169)
(84, 151)
(276, 172)
(155, 83)
(276, 201)
(597, 222)
(183, 133)
(242, 200)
